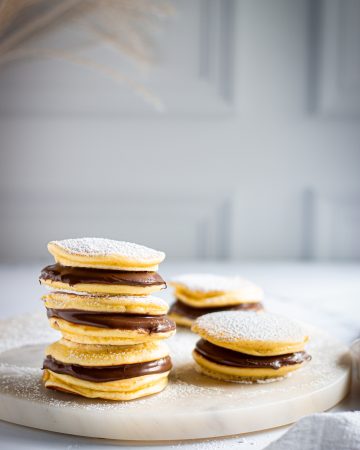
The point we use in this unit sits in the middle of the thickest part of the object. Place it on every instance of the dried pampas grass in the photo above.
(127, 26)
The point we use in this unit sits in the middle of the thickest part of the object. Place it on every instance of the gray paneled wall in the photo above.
(223, 173)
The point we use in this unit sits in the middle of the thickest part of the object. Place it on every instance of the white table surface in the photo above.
(325, 295)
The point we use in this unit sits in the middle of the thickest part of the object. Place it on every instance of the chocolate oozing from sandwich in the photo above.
(101, 374)
(192, 313)
(77, 275)
(232, 358)
(141, 323)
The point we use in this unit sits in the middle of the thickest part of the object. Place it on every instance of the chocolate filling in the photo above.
(232, 358)
(149, 324)
(76, 275)
(100, 374)
(193, 313)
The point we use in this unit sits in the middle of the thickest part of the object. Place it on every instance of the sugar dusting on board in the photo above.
(239, 325)
(22, 344)
(108, 247)
(214, 444)
(25, 330)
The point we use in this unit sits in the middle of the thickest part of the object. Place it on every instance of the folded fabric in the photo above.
(326, 431)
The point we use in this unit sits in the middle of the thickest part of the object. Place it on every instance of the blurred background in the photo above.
(210, 129)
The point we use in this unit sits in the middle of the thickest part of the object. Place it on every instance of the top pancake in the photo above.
(261, 334)
(105, 254)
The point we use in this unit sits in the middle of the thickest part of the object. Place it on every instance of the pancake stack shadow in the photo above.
(112, 326)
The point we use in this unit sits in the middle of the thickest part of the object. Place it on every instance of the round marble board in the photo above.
(192, 406)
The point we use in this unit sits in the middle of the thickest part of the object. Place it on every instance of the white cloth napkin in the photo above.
(326, 431)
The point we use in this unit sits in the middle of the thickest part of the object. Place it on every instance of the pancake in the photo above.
(105, 254)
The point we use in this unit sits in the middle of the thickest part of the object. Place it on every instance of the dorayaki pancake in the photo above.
(114, 373)
(101, 281)
(244, 346)
(105, 355)
(122, 390)
(209, 291)
(148, 304)
(105, 254)
(185, 315)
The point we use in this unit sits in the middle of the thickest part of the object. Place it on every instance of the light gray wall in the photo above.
(255, 161)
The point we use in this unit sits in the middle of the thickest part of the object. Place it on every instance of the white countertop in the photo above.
(325, 295)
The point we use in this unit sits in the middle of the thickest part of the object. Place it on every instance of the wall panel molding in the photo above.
(338, 81)
(217, 27)
(331, 226)
(183, 226)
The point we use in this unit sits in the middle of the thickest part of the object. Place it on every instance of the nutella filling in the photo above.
(142, 323)
(193, 313)
(101, 374)
(76, 275)
(232, 358)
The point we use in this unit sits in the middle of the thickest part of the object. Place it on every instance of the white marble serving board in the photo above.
(193, 406)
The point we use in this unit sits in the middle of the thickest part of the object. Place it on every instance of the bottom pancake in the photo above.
(120, 390)
(185, 315)
(229, 365)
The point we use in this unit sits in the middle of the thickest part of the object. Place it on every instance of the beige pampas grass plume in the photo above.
(126, 26)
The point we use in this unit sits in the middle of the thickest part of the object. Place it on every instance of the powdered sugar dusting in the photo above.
(108, 247)
(25, 330)
(206, 282)
(239, 326)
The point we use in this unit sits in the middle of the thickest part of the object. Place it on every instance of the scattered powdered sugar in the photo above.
(213, 444)
(26, 330)
(108, 247)
(24, 339)
(206, 282)
(239, 326)
(271, 380)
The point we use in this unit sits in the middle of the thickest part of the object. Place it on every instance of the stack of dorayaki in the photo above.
(112, 327)
(249, 347)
